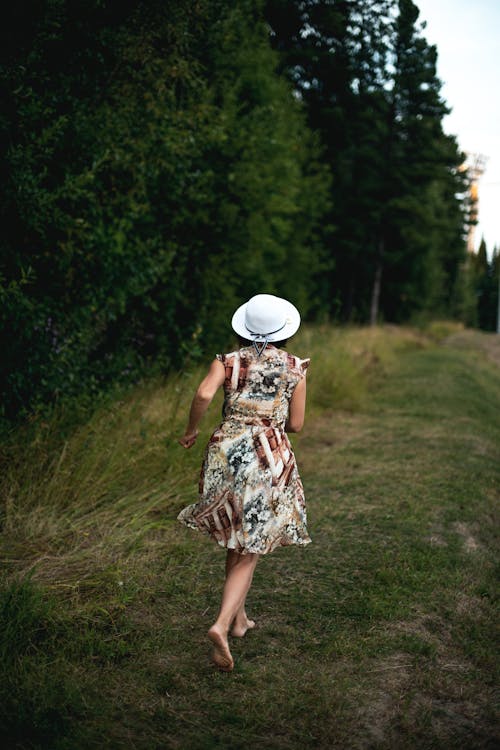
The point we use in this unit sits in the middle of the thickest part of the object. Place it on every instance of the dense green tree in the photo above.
(486, 284)
(422, 175)
(163, 162)
(368, 78)
(159, 169)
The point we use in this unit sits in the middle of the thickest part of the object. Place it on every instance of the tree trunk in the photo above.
(349, 301)
(377, 283)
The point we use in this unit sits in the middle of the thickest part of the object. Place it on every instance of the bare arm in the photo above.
(201, 401)
(297, 408)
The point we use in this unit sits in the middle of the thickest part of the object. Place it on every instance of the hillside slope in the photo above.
(380, 634)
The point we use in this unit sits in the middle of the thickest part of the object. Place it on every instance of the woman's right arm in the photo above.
(201, 401)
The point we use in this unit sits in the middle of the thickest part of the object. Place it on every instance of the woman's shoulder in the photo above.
(295, 363)
(238, 357)
(243, 353)
(226, 356)
(247, 354)
(293, 359)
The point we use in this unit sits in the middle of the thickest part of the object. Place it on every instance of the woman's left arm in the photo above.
(297, 408)
(201, 401)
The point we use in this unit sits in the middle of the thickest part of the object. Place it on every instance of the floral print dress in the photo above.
(251, 495)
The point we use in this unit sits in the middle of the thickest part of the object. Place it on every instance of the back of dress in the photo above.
(258, 388)
(251, 494)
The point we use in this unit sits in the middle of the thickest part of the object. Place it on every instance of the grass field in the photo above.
(380, 634)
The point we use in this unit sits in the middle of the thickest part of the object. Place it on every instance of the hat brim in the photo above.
(291, 326)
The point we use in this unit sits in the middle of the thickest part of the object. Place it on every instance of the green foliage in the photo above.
(166, 161)
(39, 698)
(475, 298)
(488, 288)
(368, 79)
(159, 171)
(22, 616)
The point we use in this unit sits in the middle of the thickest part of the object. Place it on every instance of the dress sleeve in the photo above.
(221, 358)
(296, 371)
(303, 365)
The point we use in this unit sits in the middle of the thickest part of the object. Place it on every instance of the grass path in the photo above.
(380, 634)
(409, 537)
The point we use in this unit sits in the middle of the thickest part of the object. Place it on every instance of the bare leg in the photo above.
(241, 623)
(238, 581)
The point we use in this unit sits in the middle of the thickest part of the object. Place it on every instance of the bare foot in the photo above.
(240, 627)
(221, 655)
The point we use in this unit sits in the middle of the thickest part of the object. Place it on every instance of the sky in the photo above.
(467, 36)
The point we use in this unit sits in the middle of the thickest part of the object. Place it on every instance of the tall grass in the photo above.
(78, 502)
(347, 362)
(39, 697)
(103, 595)
(100, 488)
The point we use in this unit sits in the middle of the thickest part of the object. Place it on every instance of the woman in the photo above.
(251, 495)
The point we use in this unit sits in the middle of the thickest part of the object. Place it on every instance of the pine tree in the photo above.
(368, 78)
(486, 286)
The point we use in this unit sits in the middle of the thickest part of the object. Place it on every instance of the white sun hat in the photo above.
(266, 318)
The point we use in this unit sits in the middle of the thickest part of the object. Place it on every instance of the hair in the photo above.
(278, 344)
